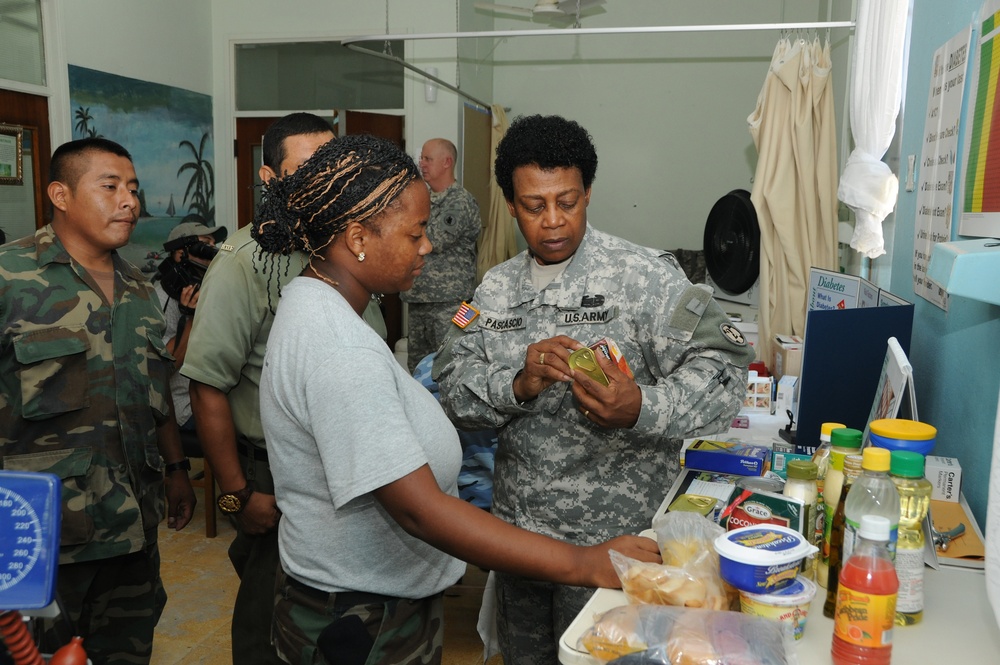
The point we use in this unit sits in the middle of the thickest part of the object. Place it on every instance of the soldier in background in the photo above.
(449, 273)
(85, 396)
(578, 460)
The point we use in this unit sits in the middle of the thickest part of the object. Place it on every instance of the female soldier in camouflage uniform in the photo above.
(577, 460)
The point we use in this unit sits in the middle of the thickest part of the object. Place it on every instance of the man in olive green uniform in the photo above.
(225, 354)
(84, 395)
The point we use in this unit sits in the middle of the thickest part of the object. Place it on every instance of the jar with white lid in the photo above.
(801, 484)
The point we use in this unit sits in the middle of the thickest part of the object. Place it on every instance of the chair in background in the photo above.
(205, 480)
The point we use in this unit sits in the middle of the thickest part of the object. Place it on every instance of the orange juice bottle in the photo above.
(866, 599)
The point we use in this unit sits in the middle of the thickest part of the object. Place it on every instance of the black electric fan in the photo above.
(732, 243)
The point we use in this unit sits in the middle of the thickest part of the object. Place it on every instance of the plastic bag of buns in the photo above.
(660, 635)
(689, 575)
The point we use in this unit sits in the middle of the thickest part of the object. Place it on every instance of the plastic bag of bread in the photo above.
(689, 575)
(675, 636)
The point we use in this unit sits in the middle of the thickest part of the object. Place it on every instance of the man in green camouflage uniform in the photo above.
(449, 273)
(579, 461)
(85, 396)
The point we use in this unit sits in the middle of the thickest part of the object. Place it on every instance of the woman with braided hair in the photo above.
(365, 463)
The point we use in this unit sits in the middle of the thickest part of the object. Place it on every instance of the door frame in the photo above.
(32, 112)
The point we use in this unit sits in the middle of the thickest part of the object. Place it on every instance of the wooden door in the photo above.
(388, 127)
(32, 113)
(249, 136)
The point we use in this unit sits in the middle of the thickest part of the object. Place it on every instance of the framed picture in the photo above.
(10, 155)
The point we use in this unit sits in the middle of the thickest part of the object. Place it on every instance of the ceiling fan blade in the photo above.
(503, 9)
(569, 6)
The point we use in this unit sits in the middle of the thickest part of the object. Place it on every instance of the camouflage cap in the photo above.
(185, 229)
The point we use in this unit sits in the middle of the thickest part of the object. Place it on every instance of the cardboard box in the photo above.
(786, 395)
(758, 397)
(781, 458)
(945, 474)
(727, 457)
(787, 356)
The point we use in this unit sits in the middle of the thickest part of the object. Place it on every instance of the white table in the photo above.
(958, 626)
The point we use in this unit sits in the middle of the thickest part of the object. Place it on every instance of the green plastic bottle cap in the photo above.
(846, 437)
(875, 459)
(802, 469)
(906, 464)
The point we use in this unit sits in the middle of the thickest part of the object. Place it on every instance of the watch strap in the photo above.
(182, 465)
(234, 502)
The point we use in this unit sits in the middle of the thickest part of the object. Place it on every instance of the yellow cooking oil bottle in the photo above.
(907, 472)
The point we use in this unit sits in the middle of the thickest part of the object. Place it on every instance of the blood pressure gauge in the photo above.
(29, 539)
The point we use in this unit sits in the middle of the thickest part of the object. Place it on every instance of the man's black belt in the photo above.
(351, 598)
(245, 449)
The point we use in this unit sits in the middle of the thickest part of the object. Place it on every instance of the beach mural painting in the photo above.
(168, 131)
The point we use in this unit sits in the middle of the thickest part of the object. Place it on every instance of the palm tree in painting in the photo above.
(201, 186)
(83, 120)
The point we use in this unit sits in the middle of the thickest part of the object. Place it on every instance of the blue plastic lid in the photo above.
(764, 544)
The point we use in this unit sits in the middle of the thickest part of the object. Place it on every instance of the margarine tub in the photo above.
(790, 604)
(762, 558)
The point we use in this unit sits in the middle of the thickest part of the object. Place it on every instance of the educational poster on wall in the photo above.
(168, 131)
(980, 211)
(938, 162)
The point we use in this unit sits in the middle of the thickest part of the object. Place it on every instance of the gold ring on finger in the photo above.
(541, 358)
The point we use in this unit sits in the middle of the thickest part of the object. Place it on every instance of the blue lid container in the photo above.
(923, 447)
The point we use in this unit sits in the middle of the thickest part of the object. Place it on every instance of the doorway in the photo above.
(23, 207)
(249, 157)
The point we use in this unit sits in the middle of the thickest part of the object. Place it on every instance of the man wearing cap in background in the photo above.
(191, 247)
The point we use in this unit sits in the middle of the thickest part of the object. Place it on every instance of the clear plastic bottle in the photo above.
(907, 472)
(822, 455)
(801, 484)
(873, 493)
(843, 441)
(851, 471)
(866, 599)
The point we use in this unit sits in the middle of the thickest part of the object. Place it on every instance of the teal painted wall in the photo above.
(955, 354)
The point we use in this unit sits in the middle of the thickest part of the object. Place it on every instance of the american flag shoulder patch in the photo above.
(465, 315)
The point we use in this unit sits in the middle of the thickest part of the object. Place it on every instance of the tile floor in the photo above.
(201, 587)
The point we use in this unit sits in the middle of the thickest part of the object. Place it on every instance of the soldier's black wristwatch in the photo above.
(232, 503)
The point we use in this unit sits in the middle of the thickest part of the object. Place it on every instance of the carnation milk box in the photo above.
(727, 457)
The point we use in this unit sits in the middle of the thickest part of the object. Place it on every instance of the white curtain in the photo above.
(795, 183)
(496, 241)
(867, 185)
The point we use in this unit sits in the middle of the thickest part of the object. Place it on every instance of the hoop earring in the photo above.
(361, 257)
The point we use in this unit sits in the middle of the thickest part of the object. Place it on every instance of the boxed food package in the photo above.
(739, 500)
(785, 395)
(781, 454)
(727, 457)
(758, 396)
(612, 353)
(945, 474)
(787, 355)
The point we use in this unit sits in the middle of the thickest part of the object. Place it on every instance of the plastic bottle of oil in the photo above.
(851, 470)
(843, 441)
(907, 472)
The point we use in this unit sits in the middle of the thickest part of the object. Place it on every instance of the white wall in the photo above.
(161, 42)
(668, 112)
(264, 20)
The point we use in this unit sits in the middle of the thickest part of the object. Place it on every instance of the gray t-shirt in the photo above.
(342, 418)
